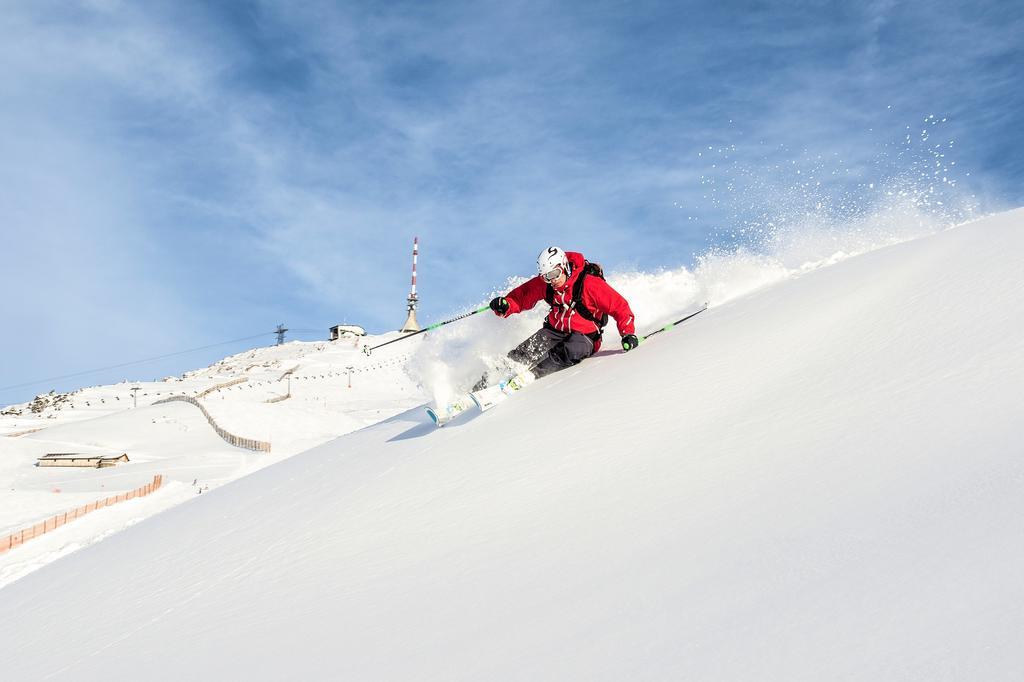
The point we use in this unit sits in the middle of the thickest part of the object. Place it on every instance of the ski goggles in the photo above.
(553, 275)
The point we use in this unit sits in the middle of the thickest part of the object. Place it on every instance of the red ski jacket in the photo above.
(597, 296)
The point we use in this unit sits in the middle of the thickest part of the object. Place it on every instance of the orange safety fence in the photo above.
(19, 537)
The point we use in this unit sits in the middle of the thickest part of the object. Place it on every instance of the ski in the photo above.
(443, 415)
(487, 398)
(484, 399)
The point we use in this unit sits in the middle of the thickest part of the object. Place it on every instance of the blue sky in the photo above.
(176, 174)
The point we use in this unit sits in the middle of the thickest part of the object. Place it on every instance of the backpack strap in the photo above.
(577, 298)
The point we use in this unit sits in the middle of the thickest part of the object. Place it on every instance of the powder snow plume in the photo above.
(452, 358)
(780, 219)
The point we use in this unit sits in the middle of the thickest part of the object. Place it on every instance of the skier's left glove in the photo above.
(629, 342)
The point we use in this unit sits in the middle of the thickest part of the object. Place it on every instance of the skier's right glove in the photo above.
(500, 306)
(629, 342)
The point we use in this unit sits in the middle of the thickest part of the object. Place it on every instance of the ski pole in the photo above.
(368, 349)
(669, 326)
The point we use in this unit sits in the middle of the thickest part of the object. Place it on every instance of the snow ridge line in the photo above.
(227, 436)
(55, 522)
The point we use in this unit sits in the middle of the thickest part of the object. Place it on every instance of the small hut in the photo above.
(341, 331)
(81, 459)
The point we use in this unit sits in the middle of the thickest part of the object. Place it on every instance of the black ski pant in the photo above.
(549, 350)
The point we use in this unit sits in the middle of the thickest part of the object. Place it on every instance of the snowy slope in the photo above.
(820, 480)
(236, 390)
(294, 396)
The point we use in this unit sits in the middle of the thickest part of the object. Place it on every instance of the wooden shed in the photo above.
(81, 459)
(340, 331)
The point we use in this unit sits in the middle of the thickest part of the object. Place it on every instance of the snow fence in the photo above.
(55, 522)
(226, 384)
(228, 437)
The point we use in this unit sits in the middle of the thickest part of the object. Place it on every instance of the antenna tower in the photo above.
(280, 334)
(411, 325)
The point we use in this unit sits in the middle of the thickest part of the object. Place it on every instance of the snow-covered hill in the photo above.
(294, 396)
(820, 480)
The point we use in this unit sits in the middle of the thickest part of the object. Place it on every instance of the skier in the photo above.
(581, 301)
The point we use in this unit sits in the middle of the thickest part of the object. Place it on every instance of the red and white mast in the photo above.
(411, 325)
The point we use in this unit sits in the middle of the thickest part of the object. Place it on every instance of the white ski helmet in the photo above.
(551, 258)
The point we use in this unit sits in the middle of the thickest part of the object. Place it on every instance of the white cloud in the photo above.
(316, 139)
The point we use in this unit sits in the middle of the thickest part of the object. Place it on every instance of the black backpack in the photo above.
(589, 269)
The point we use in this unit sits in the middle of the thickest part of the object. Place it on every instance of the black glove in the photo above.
(629, 342)
(500, 306)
